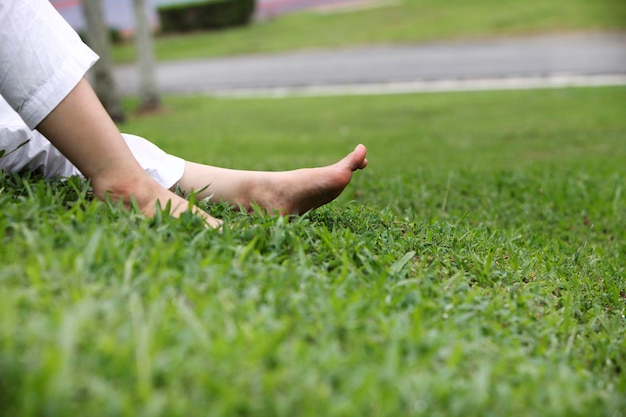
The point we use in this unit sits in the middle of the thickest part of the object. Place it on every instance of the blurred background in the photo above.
(174, 15)
(352, 42)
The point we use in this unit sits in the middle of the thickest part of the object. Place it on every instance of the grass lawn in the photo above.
(475, 268)
(407, 21)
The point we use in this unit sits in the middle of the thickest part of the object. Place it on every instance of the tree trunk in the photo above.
(98, 39)
(148, 92)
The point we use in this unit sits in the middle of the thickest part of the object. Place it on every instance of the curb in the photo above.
(438, 86)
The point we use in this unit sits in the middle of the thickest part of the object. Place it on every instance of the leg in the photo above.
(286, 192)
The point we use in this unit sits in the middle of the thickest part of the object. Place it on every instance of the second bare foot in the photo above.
(302, 190)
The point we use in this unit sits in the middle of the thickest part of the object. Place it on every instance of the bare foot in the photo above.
(302, 190)
(286, 192)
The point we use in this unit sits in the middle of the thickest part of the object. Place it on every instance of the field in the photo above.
(404, 21)
(475, 268)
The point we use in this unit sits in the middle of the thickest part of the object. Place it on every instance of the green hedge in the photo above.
(206, 15)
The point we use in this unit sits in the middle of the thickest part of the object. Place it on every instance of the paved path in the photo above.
(585, 58)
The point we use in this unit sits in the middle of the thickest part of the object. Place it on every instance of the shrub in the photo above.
(115, 36)
(206, 15)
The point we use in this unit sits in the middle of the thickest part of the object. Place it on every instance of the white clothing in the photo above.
(39, 155)
(41, 58)
(41, 61)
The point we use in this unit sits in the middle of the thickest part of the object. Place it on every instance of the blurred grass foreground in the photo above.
(476, 267)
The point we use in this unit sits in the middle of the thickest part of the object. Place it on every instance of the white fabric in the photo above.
(166, 169)
(27, 150)
(41, 61)
(39, 155)
(41, 58)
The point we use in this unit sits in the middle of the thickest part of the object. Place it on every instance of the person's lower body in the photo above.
(285, 192)
(36, 154)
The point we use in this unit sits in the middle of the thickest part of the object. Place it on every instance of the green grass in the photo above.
(475, 268)
(408, 21)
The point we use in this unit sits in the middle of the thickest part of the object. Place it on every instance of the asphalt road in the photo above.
(563, 55)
